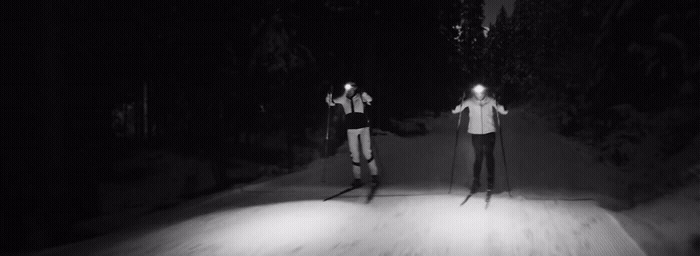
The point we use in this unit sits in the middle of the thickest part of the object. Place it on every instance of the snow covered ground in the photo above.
(560, 206)
(666, 226)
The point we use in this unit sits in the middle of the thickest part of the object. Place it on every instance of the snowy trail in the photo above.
(412, 213)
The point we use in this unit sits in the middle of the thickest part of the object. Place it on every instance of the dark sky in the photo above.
(491, 8)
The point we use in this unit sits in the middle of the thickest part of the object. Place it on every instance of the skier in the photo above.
(482, 129)
(357, 125)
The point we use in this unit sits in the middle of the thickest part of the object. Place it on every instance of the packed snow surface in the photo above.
(556, 208)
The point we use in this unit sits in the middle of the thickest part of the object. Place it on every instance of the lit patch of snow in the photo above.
(412, 213)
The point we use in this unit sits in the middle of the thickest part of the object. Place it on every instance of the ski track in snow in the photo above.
(414, 225)
(411, 214)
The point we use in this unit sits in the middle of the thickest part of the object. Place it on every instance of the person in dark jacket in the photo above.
(357, 124)
(482, 128)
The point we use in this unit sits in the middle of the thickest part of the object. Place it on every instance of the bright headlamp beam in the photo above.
(348, 87)
(479, 89)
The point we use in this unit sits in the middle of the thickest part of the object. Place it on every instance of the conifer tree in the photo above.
(467, 35)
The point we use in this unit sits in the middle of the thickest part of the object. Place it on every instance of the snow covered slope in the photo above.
(412, 213)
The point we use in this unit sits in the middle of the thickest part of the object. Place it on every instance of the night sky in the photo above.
(492, 7)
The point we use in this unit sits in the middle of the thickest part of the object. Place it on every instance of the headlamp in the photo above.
(479, 89)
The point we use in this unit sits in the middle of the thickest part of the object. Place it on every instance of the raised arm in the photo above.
(460, 107)
(501, 109)
(331, 102)
(366, 98)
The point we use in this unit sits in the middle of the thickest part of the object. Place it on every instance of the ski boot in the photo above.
(375, 180)
(488, 192)
(357, 183)
(475, 187)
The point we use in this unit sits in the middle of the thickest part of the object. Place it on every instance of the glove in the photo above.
(366, 98)
(328, 98)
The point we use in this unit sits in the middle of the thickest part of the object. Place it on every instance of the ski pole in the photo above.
(503, 151)
(372, 142)
(328, 127)
(454, 155)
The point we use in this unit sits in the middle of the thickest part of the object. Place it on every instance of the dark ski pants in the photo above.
(483, 148)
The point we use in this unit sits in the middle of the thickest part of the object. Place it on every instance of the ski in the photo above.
(351, 188)
(372, 191)
(465, 199)
(488, 199)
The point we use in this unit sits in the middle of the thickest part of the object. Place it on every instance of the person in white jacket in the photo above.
(482, 128)
(357, 124)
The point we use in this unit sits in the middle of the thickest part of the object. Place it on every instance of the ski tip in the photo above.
(369, 200)
(466, 199)
(372, 192)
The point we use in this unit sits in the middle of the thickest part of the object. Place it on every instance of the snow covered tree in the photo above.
(498, 51)
(467, 35)
(658, 58)
(281, 56)
(533, 38)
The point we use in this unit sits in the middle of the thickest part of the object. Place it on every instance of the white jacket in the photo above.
(356, 102)
(481, 116)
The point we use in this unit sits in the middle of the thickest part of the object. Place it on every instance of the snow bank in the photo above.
(668, 225)
(646, 152)
(141, 184)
